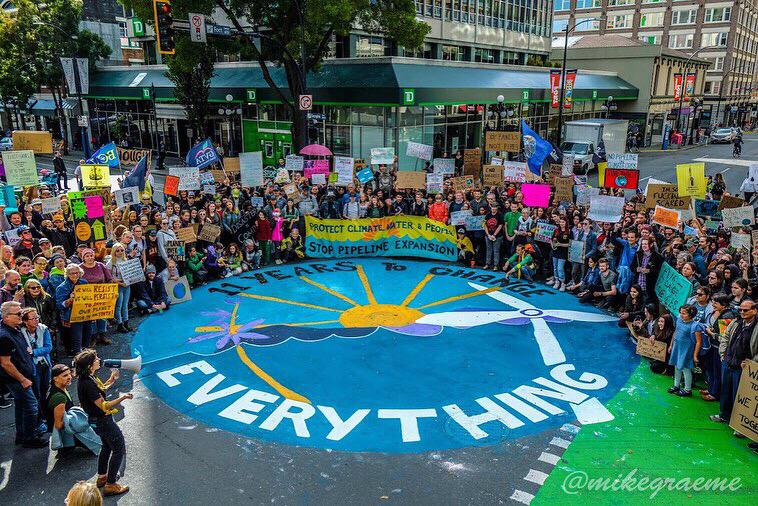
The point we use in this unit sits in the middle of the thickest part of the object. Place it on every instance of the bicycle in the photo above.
(736, 152)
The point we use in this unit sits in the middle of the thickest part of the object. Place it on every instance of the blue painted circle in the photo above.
(621, 181)
(179, 291)
(439, 368)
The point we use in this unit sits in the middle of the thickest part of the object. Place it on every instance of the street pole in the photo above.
(684, 83)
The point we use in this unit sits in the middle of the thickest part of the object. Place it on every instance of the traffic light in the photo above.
(164, 26)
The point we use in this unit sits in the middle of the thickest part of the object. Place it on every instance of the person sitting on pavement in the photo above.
(151, 293)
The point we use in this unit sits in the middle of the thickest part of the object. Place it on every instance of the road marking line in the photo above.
(549, 458)
(560, 442)
(727, 161)
(522, 497)
(645, 178)
(535, 476)
(725, 170)
(570, 428)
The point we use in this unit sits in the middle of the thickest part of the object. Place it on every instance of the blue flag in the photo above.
(106, 155)
(137, 176)
(536, 149)
(202, 154)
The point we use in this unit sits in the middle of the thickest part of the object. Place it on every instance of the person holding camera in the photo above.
(100, 412)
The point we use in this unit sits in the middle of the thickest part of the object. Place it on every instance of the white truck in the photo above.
(581, 139)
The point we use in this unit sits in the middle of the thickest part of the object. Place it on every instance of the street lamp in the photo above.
(77, 83)
(500, 110)
(684, 81)
(563, 71)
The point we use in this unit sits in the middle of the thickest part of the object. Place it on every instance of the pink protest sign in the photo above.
(315, 167)
(536, 195)
(94, 206)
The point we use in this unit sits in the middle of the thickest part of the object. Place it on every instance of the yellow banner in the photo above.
(96, 176)
(39, 142)
(690, 178)
(94, 301)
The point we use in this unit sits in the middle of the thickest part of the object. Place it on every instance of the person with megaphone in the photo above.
(100, 411)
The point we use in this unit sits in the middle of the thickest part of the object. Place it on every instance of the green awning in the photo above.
(379, 81)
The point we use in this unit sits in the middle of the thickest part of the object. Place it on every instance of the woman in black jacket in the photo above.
(645, 267)
(634, 306)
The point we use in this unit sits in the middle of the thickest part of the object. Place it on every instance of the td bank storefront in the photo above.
(359, 104)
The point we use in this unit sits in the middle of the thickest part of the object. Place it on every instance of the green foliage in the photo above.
(535, 61)
(191, 70)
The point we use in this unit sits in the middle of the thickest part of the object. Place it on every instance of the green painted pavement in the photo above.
(654, 435)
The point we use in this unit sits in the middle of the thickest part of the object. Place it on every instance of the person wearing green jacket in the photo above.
(520, 263)
(194, 271)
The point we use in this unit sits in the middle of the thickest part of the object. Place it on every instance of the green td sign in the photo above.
(409, 96)
(136, 28)
(594, 94)
(146, 93)
(250, 94)
(525, 95)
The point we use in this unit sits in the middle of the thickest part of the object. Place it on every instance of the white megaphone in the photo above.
(131, 364)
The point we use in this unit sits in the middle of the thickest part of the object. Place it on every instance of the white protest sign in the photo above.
(294, 162)
(131, 271)
(567, 167)
(606, 209)
(382, 156)
(417, 150)
(459, 217)
(514, 172)
(282, 176)
(434, 182)
(12, 237)
(496, 161)
(343, 166)
(127, 196)
(20, 168)
(584, 195)
(652, 180)
(251, 169)
(738, 216)
(179, 290)
(622, 160)
(444, 165)
(51, 205)
(318, 178)
(189, 177)
(740, 241)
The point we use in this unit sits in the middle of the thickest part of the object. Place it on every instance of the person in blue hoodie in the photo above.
(80, 332)
(38, 338)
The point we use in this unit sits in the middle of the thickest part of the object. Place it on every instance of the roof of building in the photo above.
(369, 81)
(618, 40)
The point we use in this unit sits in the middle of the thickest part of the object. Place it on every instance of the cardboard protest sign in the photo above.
(292, 192)
(251, 169)
(219, 176)
(411, 179)
(459, 217)
(690, 178)
(20, 168)
(665, 195)
(131, 271)
(434, 182)
(175, 250)
(666, 217)
(544, 232)
(171, 185)
(626, 179)
(209, 232)
(365, 175)
(553, 172)
(728, 202)
(564, 189)
(38, 141)
(130, 157)
(178, 291)
(576, 251)
(514, 172)
(51, 205)
(606, 209)
(282, 176)
(707, 209)
(344, 166)
(502, 141)
(655, 349)
(232, 165)
(186, 234)
(536, 195)
(444, 165)
(754, 236)
(740, 241)
(492, 175)
(621, 161)
(416, 150)
(94, 301)
(462, 182)
(672, 288)
(127, 196)
(738, 216)
(189, 177)
(745, 411)
(472, 161)
(294, 163)
(382, 156)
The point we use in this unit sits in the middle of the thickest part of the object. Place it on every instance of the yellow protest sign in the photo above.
(601, 173)
(39, 142)
(94, 301)
(690, 178)
(96, 176)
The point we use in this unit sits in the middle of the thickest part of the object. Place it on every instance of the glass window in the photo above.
(686, 17)
(652, 1)
(714, 39)
(711, 88)
(717, 64)
(452, 53)
(612, 3)
(367, 46)
(560, 25)
(649, 19)
(718, 14)
(560, 5)
(681, 41)
(618, 22)
(484, 55)
(653, 40)
(587, 4)
(587, 24)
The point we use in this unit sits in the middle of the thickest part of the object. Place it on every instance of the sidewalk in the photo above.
(659, 148)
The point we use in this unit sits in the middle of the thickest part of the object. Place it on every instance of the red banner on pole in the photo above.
(689, 87)
(555, 87)
(568, 95)
(677, 87)
(626, 179)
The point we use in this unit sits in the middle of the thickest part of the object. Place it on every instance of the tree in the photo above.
(191, 70)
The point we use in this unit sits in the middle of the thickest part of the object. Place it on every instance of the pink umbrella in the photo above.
(316, 150)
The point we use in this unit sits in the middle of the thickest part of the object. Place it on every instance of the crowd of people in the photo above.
(712, 335)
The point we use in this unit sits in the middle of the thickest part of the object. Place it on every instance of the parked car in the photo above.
(6, 144)
(725, 135)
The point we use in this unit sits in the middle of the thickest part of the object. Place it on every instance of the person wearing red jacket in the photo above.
(438, 210)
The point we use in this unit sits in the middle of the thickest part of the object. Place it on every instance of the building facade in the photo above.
(724, 32)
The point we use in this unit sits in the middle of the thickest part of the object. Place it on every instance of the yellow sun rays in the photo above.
(366, 285)
(461, 297)
(417, 289)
